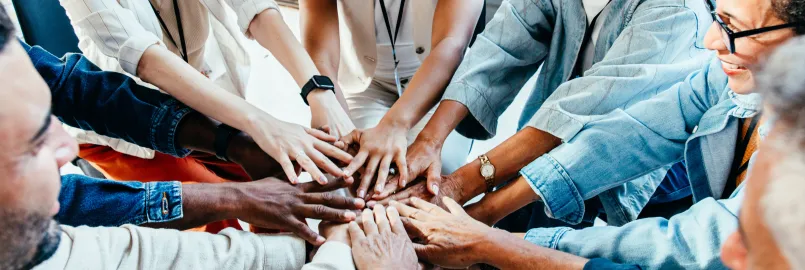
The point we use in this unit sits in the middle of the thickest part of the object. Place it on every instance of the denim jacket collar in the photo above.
(745, 105)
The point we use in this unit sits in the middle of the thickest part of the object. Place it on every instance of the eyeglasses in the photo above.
(730, 36)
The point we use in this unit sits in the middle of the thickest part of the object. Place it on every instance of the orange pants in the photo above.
(195, 168)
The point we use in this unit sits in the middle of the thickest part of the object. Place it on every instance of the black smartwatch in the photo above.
(223, 136)
(317, 82)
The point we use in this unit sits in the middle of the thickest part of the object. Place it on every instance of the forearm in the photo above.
(269, 29)
(496, 205)
(427, 85)
(447, 116)
(171, 74)
(203, 204)
(318, 21)
(507, 251)
(508, 158)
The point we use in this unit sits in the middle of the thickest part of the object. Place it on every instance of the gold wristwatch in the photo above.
(488, 172)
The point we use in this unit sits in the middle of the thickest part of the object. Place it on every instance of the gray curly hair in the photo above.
(791, 11)
(782, 84)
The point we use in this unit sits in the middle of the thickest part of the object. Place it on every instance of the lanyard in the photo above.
(393, 38)
(737, 166)
(183, 49)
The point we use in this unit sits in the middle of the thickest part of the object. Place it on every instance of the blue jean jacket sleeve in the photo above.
(503, 58)
(623, 145)
(95, 202)
(109, 103)
(656, 50)
(690, 240)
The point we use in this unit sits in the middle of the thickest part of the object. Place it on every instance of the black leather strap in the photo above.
(223, 136)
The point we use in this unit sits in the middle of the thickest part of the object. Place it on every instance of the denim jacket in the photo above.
(86, 97)
(697, 120)
(644, 47)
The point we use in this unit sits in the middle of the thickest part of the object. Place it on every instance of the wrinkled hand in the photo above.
(310, 148)
(378, 147)
(452, 239)
(424, 157)
(383, 242)
(275, 204)
(450, 187)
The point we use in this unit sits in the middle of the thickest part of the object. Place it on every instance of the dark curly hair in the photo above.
(791, 11)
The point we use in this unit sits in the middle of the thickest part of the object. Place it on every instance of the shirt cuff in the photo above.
(553, 185)
(164, 127)
(546, 237)
(132, 51)
(482, 121)
(247, 10)
(163, 201)
(334, 253)
(556, 122)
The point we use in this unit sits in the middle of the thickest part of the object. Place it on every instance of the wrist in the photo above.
(321, 96)
(395, 123)
(492, 246)
(472, 183)
(212, 201)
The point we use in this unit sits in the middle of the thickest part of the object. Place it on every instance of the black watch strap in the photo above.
(223, 136)
(316, 82)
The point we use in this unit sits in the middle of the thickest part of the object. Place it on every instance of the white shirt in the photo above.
(406, 51)
(113, 34)
(592, 8)
(132, 247)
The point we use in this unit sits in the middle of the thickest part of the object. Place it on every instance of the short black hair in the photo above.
(791, 11)
(6, 29)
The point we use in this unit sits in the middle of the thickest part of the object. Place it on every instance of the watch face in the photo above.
(487, 170)
(323, 82)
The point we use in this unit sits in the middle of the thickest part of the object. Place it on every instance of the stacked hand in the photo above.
(378, 147)
(383, 242)
(451, 239)
(276, 204)
(310, 148)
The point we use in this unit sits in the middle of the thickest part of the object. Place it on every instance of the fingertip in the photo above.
(320, 240)
(350, 215)
(371, 204)
(359, 203)
(434, 189)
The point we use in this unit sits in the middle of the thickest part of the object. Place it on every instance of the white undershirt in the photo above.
(592, 8)
(406, 51)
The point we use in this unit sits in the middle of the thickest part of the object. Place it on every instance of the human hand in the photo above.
(325, 110)
(275, 204)
(335, 231)
(310, 148)
(450, 187)
(245, 152)
(452, 239)
(424, 157)
(380, 145)
(383, 242)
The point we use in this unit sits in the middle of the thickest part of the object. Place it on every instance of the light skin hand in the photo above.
(383, 242)
(381, 146)
(452, 239)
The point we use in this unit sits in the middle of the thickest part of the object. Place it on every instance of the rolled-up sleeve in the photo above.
(623, 145)
(246, 10)
(689, 240)
(97, 202)
(500, 62)
(655, 51)
(117, 31)
(110, 103)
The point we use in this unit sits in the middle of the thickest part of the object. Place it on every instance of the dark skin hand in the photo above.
(269, 203)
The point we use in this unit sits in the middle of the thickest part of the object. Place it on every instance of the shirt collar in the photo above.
(745, 105)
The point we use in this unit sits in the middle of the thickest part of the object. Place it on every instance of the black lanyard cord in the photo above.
(397, 27)
(183, 49)
(738, 166)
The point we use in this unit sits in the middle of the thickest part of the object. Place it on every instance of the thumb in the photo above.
(434, 178)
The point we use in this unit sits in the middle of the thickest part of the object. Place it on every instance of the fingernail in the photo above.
(323, 179)
(320, 239)
(361, 193)
(435, 189)
(346, 172)
(371, 204)
(349, 215)
(403, 183)
(380, 188)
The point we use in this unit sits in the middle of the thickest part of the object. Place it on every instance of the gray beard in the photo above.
(26, 239)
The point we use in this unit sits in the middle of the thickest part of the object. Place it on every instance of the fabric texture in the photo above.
(603, 264)
(85, 97)
(114, 34)
(97, 202)
(132, 247)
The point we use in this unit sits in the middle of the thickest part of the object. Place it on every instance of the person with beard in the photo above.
(35, 147)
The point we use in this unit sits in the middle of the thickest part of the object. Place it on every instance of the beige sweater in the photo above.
(132, 247)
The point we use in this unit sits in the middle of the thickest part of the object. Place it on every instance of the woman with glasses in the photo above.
(712, 121)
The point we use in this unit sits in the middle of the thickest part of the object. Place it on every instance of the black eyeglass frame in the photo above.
(732, 35)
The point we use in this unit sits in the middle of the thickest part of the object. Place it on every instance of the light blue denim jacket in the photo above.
(644, 47)
(696, 120)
